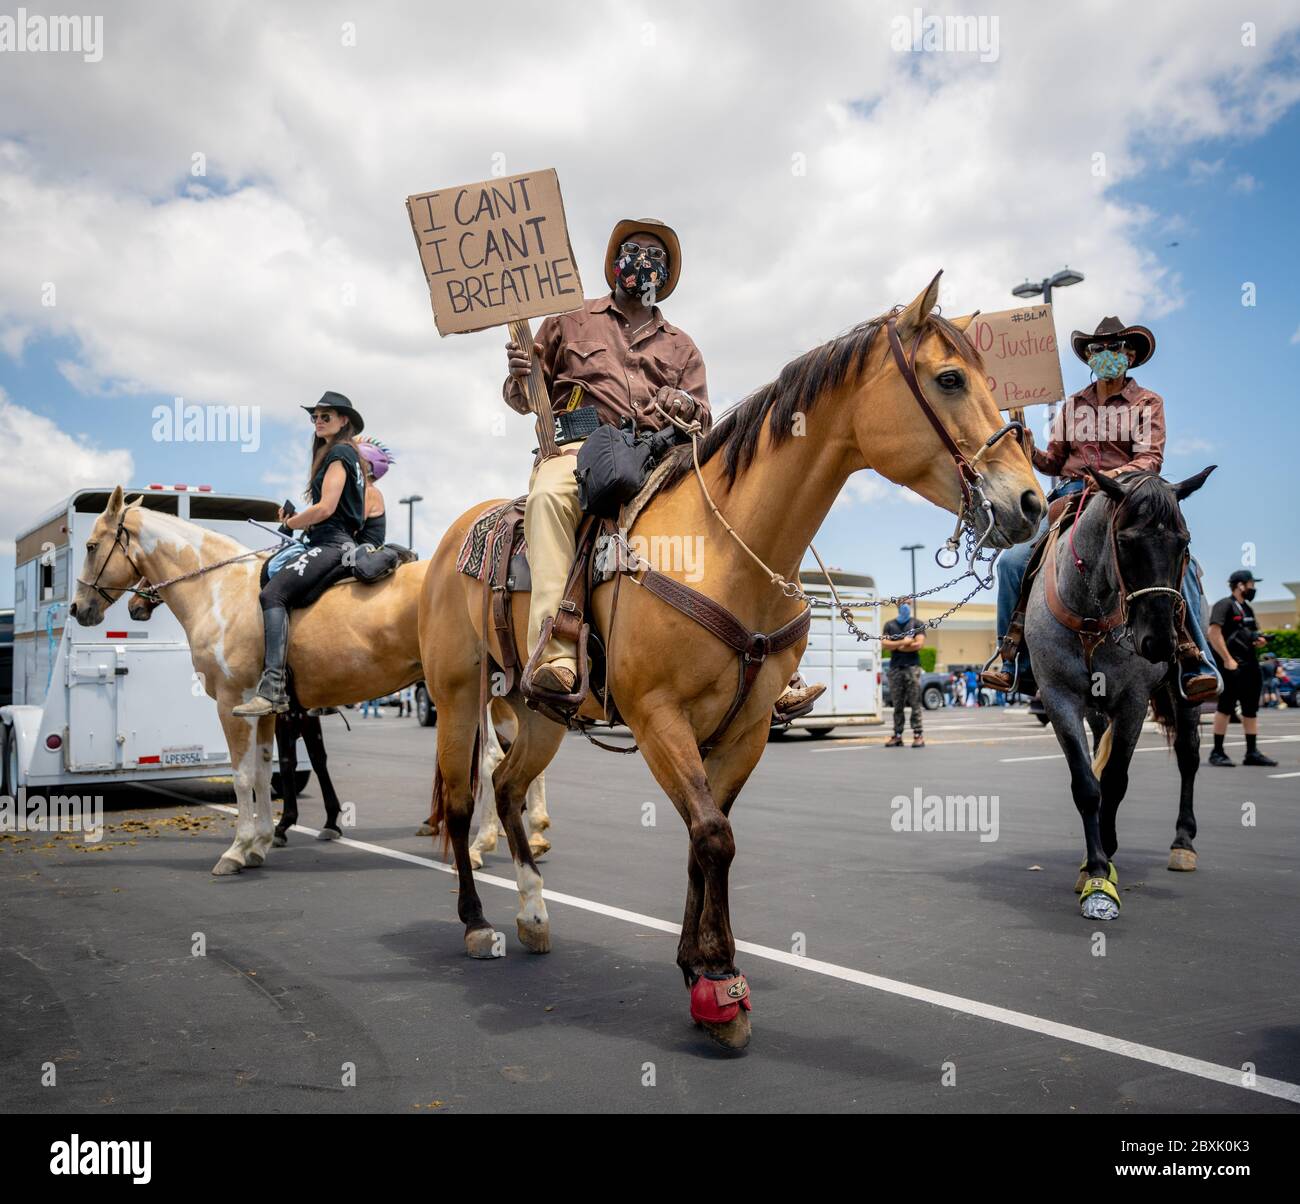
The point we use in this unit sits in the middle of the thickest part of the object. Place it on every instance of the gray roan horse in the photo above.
(1119, 580)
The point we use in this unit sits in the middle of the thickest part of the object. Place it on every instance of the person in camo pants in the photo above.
(904, 674)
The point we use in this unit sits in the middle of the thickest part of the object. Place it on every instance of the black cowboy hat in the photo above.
(1112, 330)
(647, 225)
(336, 401)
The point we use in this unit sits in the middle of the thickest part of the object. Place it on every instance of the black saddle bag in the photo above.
(613, 465)
(374, 564)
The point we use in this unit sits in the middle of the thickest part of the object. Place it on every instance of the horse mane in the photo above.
(183, 527)
(1156, 499)
(796, 390)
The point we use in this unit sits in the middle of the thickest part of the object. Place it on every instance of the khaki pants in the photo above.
(551, 520)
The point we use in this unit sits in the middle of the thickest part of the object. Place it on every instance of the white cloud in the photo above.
(43, 464)
(230, 287)
(1245, 183)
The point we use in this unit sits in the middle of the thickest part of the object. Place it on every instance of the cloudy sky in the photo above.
(214, 210)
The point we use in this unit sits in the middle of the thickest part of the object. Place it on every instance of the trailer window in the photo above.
(94, 503)
(206, 507)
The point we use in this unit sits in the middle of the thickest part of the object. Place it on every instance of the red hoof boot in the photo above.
(716, 999)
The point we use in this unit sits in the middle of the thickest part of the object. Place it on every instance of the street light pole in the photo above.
(913, 548)
(1061, 279)
(410, 518)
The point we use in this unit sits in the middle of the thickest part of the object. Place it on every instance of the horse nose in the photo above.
(72, 610)
(1031, 506)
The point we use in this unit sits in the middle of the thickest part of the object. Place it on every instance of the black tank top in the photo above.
(350, 514)
(375, 530)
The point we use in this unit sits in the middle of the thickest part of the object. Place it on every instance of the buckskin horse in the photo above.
(1102, 626)
(694, 671)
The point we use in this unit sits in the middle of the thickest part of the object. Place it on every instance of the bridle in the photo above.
(975, 504)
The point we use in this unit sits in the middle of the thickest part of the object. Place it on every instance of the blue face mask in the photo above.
(1108, 365)
(904, 614)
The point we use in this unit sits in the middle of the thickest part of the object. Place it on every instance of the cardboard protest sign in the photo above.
(495, 252)
(1021, 355)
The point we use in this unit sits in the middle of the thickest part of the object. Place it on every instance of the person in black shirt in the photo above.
(330, 526)
(375, 461)
(904, 674)
(1234, 636)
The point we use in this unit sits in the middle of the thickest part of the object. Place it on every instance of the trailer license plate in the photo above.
(190, 754)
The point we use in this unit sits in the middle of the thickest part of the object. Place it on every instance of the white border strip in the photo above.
(1278, 1088)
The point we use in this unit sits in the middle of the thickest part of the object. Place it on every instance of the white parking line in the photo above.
(1163, 748)
(1229, 1076)
(1285, 775)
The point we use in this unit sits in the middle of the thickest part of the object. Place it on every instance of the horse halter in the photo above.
(973, 499)
(1127, 595)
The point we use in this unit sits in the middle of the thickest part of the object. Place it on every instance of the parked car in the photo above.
(425, 713)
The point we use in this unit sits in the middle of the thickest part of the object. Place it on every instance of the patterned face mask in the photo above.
(1108, 365)
(639, 276)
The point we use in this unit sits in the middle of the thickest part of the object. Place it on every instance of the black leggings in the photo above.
(301, 577)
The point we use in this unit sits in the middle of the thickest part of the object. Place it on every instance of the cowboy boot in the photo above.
(798, 699)
(271, 698)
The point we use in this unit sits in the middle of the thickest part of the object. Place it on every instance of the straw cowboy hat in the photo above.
(336, 401)
(648, 225)
(1112, 330)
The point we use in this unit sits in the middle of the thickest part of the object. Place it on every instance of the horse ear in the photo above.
(115, 502)
(963, 323)
(134, 502)
(1185, 489)
(910, 319)
(1108, 485)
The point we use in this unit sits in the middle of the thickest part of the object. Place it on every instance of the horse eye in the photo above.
(951, 381)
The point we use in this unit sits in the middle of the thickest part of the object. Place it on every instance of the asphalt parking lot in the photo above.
(891, 970)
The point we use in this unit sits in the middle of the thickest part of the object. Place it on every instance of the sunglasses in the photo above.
(323, 416)
(654, 254)
(1093, 348)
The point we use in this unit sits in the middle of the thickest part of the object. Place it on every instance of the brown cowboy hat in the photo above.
(648, 225)
(1112, 330)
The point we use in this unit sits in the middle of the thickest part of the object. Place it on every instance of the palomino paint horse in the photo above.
(774, 464)
(357, 642)
(298, 724)
(1131, 544)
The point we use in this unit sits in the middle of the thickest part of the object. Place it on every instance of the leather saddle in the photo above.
(368, 565)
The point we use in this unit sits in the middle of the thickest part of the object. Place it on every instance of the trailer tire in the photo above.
(425, 715)
(300, 779)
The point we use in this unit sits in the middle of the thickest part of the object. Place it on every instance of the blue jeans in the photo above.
(1011, 573)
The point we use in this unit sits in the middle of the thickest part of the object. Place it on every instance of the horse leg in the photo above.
(487, 831)
(453, 806)
(538, 817)
(1126, 725)
(286, 738)
(1187, 748)
(1066, 713)
(241, 738)
(535, 745)
(708, 950)
(263, 809)
(314, 739)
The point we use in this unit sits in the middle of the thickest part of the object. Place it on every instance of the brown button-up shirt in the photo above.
(592, 347)
(1127, 431)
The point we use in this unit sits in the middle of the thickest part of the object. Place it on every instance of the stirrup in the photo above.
(556, 706)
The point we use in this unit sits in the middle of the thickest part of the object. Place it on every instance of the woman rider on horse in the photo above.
(330, 524)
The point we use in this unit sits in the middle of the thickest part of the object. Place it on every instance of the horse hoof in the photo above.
(475, 859)
(1098, 906)
(329, 834)
(539, 846)
(279, 840)
(484, 943)
(734, 1034)
(1183, 860)
(534, 935)
(253, 861)
(1081, 881)
(426, 830)
(226, 867)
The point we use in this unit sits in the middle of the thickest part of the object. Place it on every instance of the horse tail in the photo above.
(1102, 754)
(1165, 708)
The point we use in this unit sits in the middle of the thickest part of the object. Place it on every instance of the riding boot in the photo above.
(272, 697)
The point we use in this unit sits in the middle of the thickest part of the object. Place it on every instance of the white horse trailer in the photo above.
(849, 669)
(119, 702)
